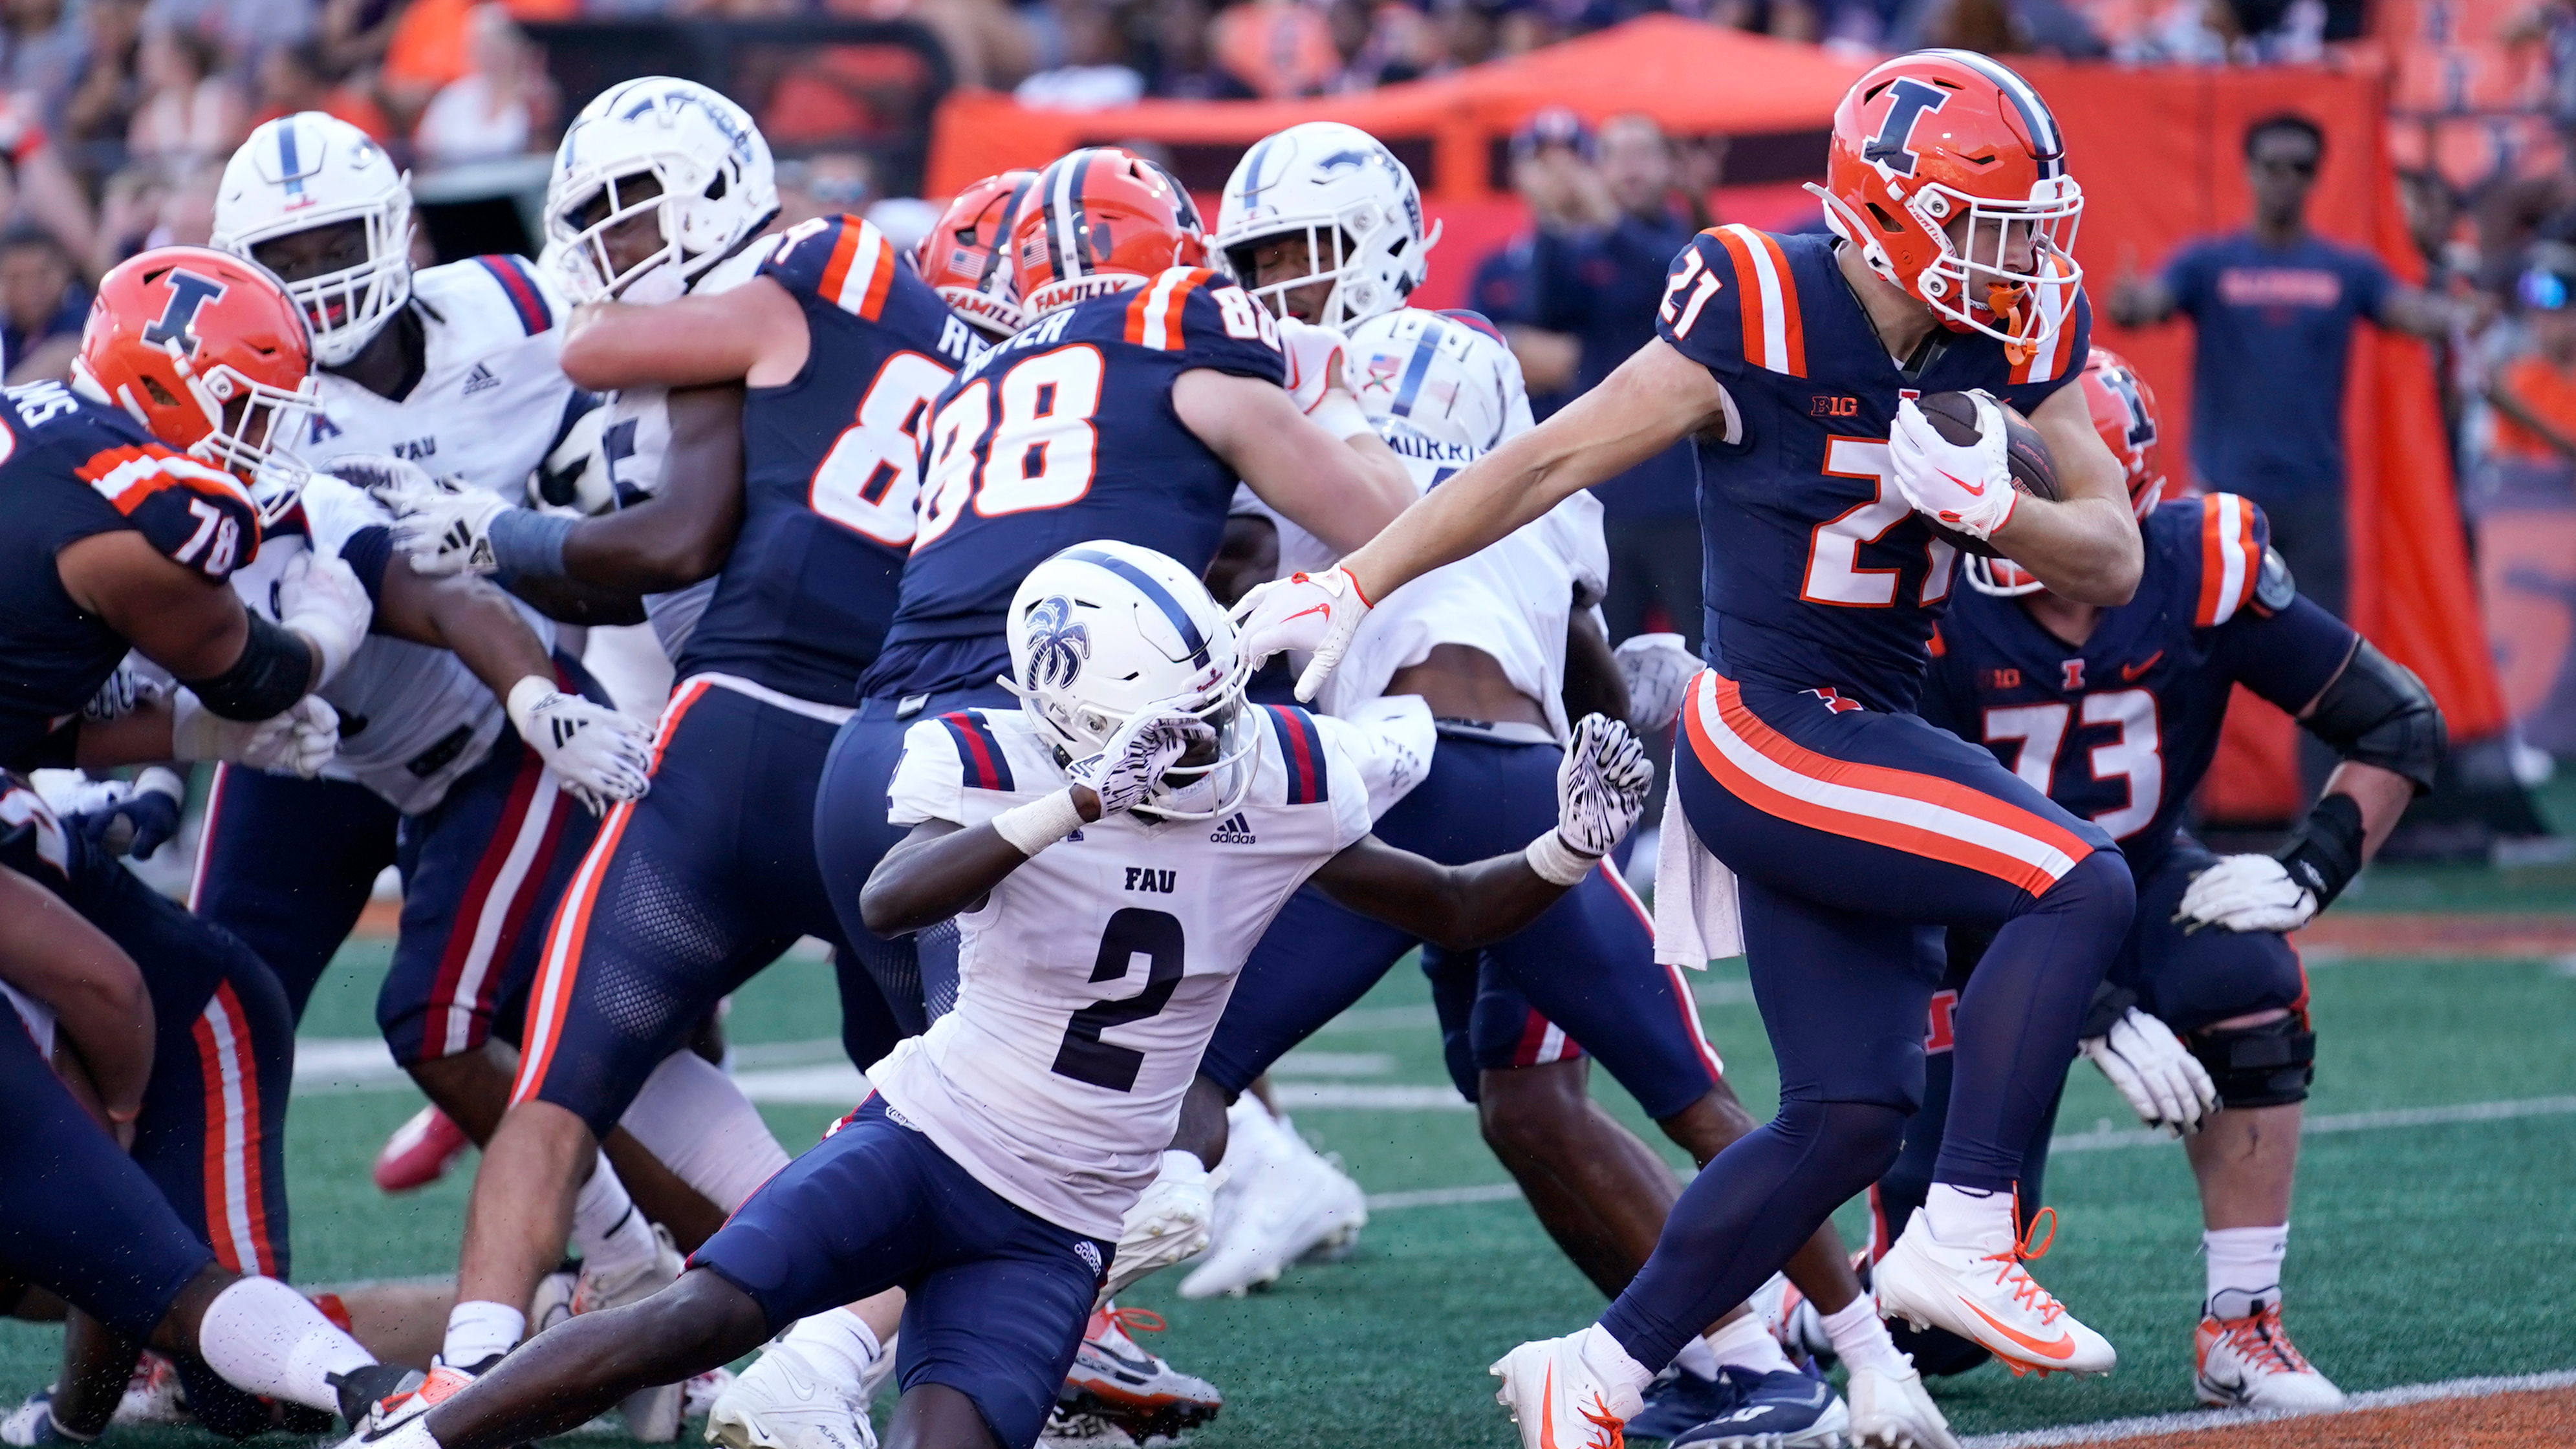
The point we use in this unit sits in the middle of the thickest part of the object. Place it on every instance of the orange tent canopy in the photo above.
(1691, 77)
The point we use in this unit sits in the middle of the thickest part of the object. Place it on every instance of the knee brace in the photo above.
(2259, 1066)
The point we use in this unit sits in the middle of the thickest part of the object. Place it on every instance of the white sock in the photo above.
(1965, 1217)
(2244, 1268)
(838, 1344)
(267, 1339)
(1860, 1337)
(1746, 1343)
(614, 1238)
(692, 1117)
(477, 1329)
(1606, 1356)
(1696, 1360)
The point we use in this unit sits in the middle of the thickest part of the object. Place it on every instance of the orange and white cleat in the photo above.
(1562, 1402)
(2250, 1363)
(1118, 1381)
(1981, 1292)
(420, 1151)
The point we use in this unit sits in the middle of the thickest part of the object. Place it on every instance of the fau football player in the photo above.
(1325, 222)
(801, 366)
(993, 1167)
(1846, 831)
(2115, 713)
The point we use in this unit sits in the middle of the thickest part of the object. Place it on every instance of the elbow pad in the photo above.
(274, 671)
(2378, 713)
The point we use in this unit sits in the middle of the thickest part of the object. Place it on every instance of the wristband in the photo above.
(1040, 823)
(1339, 414)
(2326, 853)
(531, 691)
(163, 779)
(1552, 860)
(527, 542)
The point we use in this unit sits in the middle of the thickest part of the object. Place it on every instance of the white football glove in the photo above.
(1601, 785)
(442, 525)
(1315, 361)
(2165, 1084)
(320, 598)
(299, 742)
(2246, 893)
(1658, 669)
(1967, 487)
(1312, 613)
(600, 756)
(1132, 763)
(126, 690)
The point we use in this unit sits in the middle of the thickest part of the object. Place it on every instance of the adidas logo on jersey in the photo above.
(480, 380)
(1084, 1249)
(1236, 831)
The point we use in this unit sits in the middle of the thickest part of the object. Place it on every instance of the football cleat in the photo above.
(1286, 1202)
(699, 1392)
(1781, 1410)
(652, 1415)
(2250, 1363)
(780, 1402)
(1168, 1223)
(1891, 1411)
(1981, 1292)
(1115, 1380)
(420, 1151)
(154, 1394)
(1559, 1401)
(361, 1389)
(552, 1302)
(1679, 1400)
(33, 1423)
(413, 1396)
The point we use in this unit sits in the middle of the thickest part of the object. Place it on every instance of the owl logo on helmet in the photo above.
(1057, 645)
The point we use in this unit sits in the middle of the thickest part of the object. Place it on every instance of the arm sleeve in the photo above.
(930, 780)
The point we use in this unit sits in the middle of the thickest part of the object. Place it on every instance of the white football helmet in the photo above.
(717, 187)
(1447, 377)
(1102, 631)
(1356, 204)
(309, 170)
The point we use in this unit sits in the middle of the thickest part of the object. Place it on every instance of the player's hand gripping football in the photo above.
(2163, 1082)
(602, 757)
(1657, 669)
(1315, 614)
(298, 742)
(1132, 763)
(2246, 893)
(443, 527)
(1966, 486)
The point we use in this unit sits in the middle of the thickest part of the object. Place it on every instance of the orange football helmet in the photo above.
(966, 258)
(209, 352)
(1101, 220)
(1927, 138)
(2124, 413)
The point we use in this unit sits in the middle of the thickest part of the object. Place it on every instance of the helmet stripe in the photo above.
(1000, 255)
(1064, 215)
(1252, 183)
(1153, 590)
(1417, 367)
(2035, 115)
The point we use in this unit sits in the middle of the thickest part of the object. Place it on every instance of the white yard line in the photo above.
(2112, 1431)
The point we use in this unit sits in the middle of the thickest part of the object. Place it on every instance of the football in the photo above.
(1954, 416)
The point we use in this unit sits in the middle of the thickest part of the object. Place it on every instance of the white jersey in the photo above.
(1091, 980)
(412, 718)
(492, 399)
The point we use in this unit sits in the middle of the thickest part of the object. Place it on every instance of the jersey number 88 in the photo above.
(1023, 442)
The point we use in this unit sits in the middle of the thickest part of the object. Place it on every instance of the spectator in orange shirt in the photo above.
(1280, 48)
(2534, 395)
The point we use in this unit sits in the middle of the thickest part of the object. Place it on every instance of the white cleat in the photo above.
(153, 1394)
(1891, 1411)
(652, 1415)
(1168, 1223)
(1559, 1401)
(1981, 1292)
(2250, 1363)
(780, 1402)
(1286, 1202)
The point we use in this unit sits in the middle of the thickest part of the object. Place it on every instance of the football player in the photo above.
(993, 1167)
(803, 364)
(2115, 713)
(1324, 221)
(1849, 831)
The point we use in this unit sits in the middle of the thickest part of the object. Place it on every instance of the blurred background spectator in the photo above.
(189, 107)
(42, 305)
(499, 105)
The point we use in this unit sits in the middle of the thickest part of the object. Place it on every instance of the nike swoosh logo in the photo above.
(2062, 1348)
(1975, 490)
(1324, 609)
(2132, 671)
(1547, 1419)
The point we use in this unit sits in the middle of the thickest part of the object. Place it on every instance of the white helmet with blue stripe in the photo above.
(714, 187)
(1444, 378)
(309, 171)
(1103, 631)
(1355, 204)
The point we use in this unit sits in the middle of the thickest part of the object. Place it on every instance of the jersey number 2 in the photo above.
(1834, 574)
(1131, 933)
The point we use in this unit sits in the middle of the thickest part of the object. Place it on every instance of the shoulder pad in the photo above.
(2233, 537)
(531, 301)
(1731, 303)
(197, 516)
(1301, 754)
(839, 259)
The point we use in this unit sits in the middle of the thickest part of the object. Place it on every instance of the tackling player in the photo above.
(2115, 713)
(991, 1171)
(1853, 830)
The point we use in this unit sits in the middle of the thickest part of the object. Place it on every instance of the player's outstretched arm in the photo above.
(239, 666)
(755, 332)
(1600, 789)
(1342, 493)
(98, 998)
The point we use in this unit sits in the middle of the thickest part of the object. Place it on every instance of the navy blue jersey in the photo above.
(2120, 730)
(1063, 434)
(829, 471)
(71, 468)
(1818, 573)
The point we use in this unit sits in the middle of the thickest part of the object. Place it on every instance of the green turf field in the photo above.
(2421, 1252)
